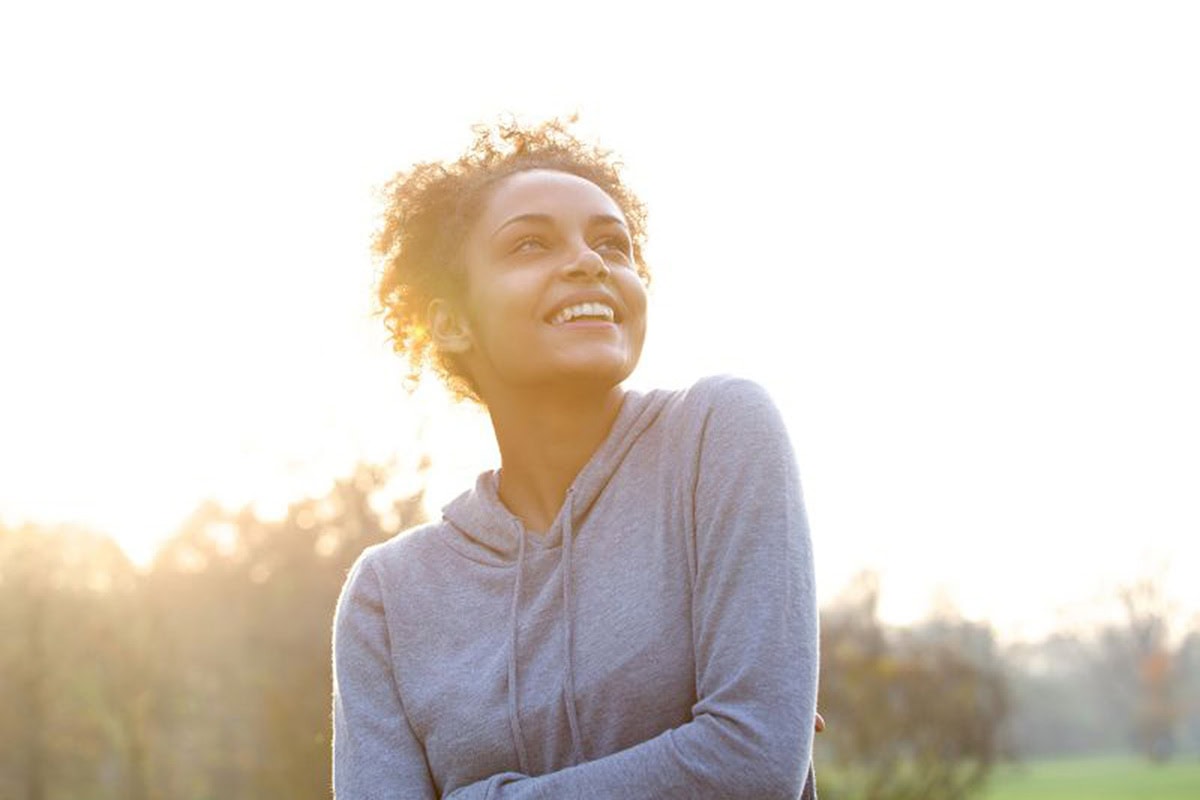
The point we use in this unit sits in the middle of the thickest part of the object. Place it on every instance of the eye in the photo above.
(614, 246)
(528, 244)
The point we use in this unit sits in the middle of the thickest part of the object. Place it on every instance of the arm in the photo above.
(376, 756)
(755, 632)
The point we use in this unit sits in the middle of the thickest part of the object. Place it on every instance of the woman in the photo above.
(625, 608)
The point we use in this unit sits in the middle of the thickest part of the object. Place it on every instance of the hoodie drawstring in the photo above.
(514, 720)
(568, 624)
(568, 617)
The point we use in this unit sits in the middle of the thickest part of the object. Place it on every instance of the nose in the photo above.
(588, 265)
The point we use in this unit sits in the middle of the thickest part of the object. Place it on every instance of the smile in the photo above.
(592, 311)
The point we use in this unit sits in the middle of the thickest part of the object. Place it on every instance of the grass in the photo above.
(1112, 778)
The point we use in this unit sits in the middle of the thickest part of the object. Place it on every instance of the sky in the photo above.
(959, 244)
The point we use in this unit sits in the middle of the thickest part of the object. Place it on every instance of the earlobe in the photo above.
(451, 333)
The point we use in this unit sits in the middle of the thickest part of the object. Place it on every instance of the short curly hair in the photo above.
(428, 211)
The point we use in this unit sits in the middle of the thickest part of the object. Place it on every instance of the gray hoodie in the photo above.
(659, 641)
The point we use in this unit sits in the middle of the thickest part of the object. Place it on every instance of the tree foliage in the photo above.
(205, 676)
(1140, 662)
(915, 713)
(1132, 684)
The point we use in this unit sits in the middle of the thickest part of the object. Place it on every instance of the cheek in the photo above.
(635, 296)
(498, 310)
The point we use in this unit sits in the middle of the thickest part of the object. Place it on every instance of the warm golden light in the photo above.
(956, 242)
(975, 314)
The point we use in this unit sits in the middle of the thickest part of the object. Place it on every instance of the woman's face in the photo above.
(553, 297)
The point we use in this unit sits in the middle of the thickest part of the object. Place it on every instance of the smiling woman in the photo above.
(626, 607)
(424, 236)
(551, 291)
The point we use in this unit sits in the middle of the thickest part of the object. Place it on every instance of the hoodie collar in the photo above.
(488, 531)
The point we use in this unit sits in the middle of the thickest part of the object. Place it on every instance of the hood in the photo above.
(487, 530)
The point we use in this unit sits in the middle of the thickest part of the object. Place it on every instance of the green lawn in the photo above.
(1095, 779)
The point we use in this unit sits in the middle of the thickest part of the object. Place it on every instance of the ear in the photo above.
(449, 327)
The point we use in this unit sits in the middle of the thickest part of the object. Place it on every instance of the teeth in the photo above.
(583, 310)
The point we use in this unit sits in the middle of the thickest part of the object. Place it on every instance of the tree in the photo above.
(1188, 660)
(250, 607)
(205, 676)
(58, 590)
(914, 713)
(1060, 705)
(1137, 662)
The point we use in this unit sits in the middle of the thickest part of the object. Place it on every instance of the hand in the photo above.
(820, 723)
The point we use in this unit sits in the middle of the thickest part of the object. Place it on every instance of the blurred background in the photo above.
(958, 243)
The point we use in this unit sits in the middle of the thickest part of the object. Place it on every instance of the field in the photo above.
(1095, 779)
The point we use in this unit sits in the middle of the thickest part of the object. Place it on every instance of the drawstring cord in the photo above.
(514, 720)
(569, 630)
(568, 615)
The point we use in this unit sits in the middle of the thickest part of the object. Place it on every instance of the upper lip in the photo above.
(594, 296)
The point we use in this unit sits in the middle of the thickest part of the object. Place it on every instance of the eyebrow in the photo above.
(546, 218)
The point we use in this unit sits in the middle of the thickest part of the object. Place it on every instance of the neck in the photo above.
(545, 439)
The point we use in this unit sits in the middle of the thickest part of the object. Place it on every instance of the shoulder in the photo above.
(740, 422)
(405, 551)
(723, 391)
(712, 393)
(734, 404)
(720, 421)
(397, 580)
(396, 561)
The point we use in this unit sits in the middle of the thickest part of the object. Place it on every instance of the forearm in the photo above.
(708, 757)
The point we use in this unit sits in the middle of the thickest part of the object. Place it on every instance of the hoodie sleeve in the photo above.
(754, 620)
(376, 756)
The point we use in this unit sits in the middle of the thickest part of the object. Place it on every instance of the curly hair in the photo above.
(428, 211)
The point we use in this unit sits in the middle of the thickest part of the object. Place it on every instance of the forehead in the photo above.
(546, 192)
